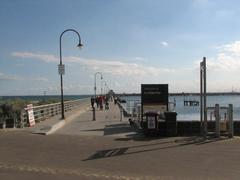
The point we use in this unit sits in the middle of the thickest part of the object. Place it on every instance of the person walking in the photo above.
(92, 101)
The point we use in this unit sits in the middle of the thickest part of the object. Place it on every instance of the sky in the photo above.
(131, 42)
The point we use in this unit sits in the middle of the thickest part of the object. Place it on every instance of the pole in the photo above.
(230, 120)
(201, 98)
(95, 87)
(217, 119)
(101, 87)
(61, 78)
(205, 96)
(94, 114)
(95, 94)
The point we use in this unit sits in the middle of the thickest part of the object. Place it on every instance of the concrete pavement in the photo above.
(108, 123)
(110, 149)
(51, 125)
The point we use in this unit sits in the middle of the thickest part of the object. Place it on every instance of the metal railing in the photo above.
(223, 117)
(44, 112)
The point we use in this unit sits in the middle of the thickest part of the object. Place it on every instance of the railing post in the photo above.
(217, 119)
(94, 113)
(230, 121)
(121, 113)
(4, 123)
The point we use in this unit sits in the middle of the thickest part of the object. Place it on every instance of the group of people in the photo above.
(100, 101)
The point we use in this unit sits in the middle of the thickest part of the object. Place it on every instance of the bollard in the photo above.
(217, 119)
(121, 113)
(94, 114)
(4, 123)
(230, 121)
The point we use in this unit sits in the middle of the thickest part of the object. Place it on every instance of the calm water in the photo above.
(193, 112)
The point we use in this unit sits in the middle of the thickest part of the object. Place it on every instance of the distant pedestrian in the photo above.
(101, 102)
(92, 101)
(115, 100)
(97, 101)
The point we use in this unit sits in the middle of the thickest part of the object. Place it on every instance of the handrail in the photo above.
(46, 111)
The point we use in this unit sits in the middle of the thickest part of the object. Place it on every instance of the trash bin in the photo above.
(171, 123)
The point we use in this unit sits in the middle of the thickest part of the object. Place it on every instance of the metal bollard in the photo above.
(217, 119)
(94, 114)
(121, 113)
(4, 123)
(230, 121)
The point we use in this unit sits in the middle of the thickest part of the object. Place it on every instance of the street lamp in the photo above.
(61, 68)
(106, 89)
(95, 87)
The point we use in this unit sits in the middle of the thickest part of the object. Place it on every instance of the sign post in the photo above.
(203, 97)
(30, 115)
(61, 69)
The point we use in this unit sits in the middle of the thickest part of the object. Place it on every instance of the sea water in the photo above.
(193, 112)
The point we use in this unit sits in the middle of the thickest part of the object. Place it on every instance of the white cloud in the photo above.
(5, 77)
(112, 67)
(201, 3)
(43, 57)
(164, 43)
(8, 77)
(222, 71)
(227, 59)
(41, 79)
(233, 48)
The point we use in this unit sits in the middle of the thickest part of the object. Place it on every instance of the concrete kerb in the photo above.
(47, 130)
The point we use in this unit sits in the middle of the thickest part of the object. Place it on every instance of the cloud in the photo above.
(40, 79)
(44, 57)
(5, 77)
(227, 58)
(139, 58)
(201, 3)
(233, 48)
(112, 67)
(164, 43)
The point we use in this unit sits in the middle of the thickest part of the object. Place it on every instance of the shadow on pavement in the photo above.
(114, 129)
(174, 143)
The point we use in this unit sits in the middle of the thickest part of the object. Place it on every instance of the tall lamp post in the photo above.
(61, 68)
(95, 91)
(95, 86)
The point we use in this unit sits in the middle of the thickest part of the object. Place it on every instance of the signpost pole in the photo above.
(205, 96)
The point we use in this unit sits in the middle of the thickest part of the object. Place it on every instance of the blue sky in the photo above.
(129, 41)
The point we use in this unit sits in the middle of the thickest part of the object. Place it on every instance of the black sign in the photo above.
(154, 94)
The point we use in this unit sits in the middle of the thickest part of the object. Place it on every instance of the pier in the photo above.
(109, 148)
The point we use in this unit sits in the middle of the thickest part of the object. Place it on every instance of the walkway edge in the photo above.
(60, 124)
(55, 127)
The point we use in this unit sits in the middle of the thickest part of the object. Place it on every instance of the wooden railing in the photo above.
(44, 112)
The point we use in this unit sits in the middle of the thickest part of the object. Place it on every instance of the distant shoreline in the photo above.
(187, 94)
(131, 94)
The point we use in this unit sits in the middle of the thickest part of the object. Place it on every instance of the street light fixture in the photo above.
(61, 68)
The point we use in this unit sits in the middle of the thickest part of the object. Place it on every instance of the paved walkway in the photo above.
(110, 149)
(52, 124)
(108, 123)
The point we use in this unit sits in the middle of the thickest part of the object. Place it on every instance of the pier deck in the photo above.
(86, 149)
(107, 123)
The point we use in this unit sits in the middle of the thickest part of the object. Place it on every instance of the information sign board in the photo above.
(30, 115)
(154, 98)
(61, 69)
